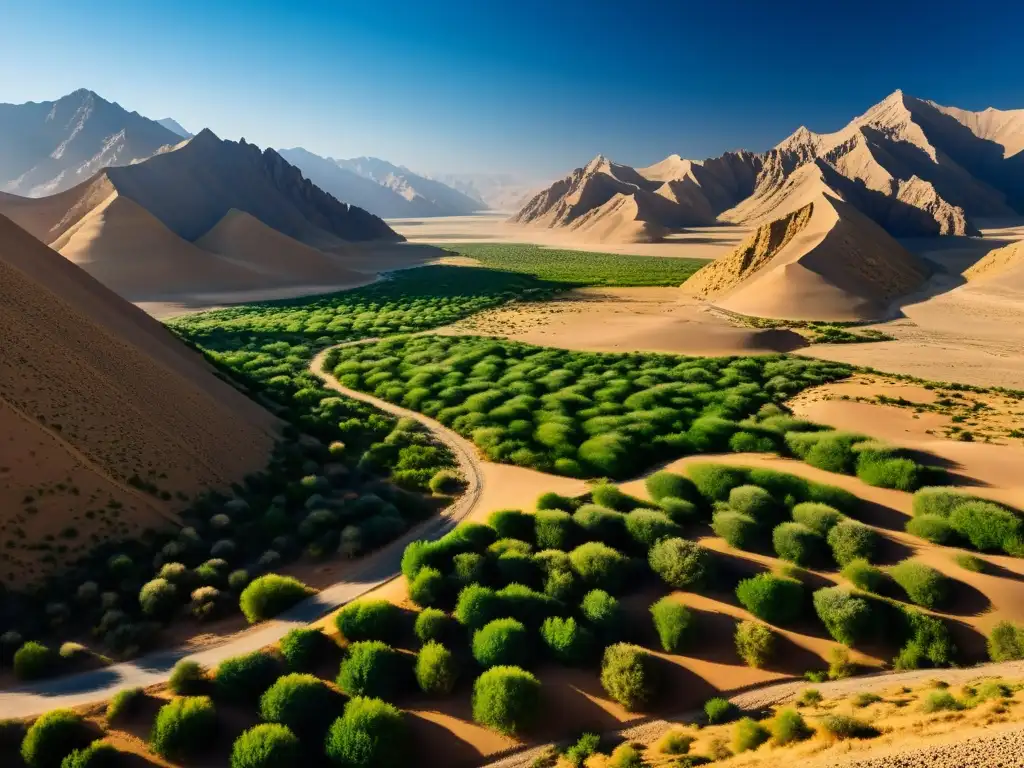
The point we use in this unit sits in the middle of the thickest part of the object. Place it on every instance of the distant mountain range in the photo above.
(388, 190)
(914, 167)
(174, 126)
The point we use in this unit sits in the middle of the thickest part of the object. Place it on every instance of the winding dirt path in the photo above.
(373, 572)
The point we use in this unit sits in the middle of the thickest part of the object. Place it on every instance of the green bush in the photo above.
(929, 643)
(370, 734)
(719, 710)
(501, 643)
(755, 642)
(586, 746)
(52, 737)
(788, 727)
(124, 704)
(739, 531)
(628, 676)
(552, 500)
(372, 668)
(436, 670)
(714, 481)
(969, 562)
(851, 540)
(673, 621)
(302, 702)
(680, 511)
(33, 661)
(939, 501)
(303, 647)
(603, 613)
(506, 699)
(566, 640)
(846, 727)
(269, 595)
(680, 563)
(445, 482)
(932, 528)
(601, 524)
(626, 756)
(896, 472)
(771, 598)
(268, 745)
(183, 727)
(846, 617)
(820, 518)
(159, 599)
(1006, 642)
(608, 495)
(864, 575)
(598, 565)
(428, 588)
(662, 485)
(99, 754)
(188, 678)
(756, 503)
(432, 624)
(830, 450)
(648, 526)
(512, 524)
(748, 734)
(924, 585)
(477, 605)
(244, 678)
(988, 526)
(940, 701)
(370, 620)
(553, 529)
(810, 697)
(798, 544)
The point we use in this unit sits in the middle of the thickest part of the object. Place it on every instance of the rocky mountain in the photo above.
(174, 126)
(913, 166)
(51, 146)
(495, 191)
(431, 197)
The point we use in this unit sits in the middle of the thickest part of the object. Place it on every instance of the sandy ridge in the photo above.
(375, 571)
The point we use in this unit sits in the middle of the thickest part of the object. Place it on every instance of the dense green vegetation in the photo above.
(947, 516)
(580, 267)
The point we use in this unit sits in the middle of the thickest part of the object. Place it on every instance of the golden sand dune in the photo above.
(1006, 263)
(823, 260)
(96, 400)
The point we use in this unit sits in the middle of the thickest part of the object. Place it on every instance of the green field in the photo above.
(580, 267)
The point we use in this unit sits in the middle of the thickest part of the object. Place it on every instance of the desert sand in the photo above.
(96, 397)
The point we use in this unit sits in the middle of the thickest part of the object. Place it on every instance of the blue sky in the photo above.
(529, 86)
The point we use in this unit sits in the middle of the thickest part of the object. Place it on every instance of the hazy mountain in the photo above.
(51, 146)
(496, 191)
(914, 167)
(432, 197)
(174, 126)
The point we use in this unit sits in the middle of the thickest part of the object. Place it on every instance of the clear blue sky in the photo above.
(530, 85)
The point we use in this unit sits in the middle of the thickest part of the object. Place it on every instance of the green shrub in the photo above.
(552, 500)
(739, 531)
(302, 702)
(846, 617)
(938, 501)
(896, 472)
(851, 540)
(52, 737)
(33, 661)
(798, 544)
(1006, 642)
(600, 524)
(988, 526)
(846, 727)
(512, 524)
(788, 727)
(445, 482)
(159, 599)
(924, 585)
(269, 595)
(608, 495)
(673, 621)
(940, 701)
(680, 511)
(648, 526)
(680, 563)
(820, 518)
(584, 747)
(432, 624)
(598, 565)
(929, 643)
(436, 670)
(771, 598)
(969, 562)
(370, 620)
(864, 575)
(714, 481)
(428, 588)
(755, 642)
(372, 668)
(756, 503)
(627, 675)
(626, 756)
(99, 754)
(244, 678)
(124, 704)
(830, 450)
(188, 678)
(675, 743)
(506, 699)
(932, 528)
(268, 745)
(809, 697)
(862, 700)
(661, 485)
(840, 665)
(303, 647)
(603, 613)
(468, 568)
(553, 529)
(566, 640)
(719, 710)
(477, 605)
(711, 434)
(502, 642)
(748, 734)
(370, 734)
(525, 605)
(183, 727)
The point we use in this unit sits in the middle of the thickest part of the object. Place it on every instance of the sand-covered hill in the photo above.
(97, 401)
(821, 260)
(1004, 264)
(206, 217)
(51, 146)
(914, 167)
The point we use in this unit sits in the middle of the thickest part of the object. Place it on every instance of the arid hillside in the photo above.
(109, 421)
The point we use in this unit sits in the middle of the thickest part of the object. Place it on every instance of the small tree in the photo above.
(428, 588)
(432, 624)
(603, 613)
(372, 668)
(436, 670)
(506, 699)
(33, 661)
(598, 565)
(627, 675)
(771, 598)
(188, 678)
(183, 727)
(673, 622)
(567, 641)
(846, 616)
(370, 734)
(243, 679)
(268, 745)
(302, 702)
(755, 642)
(302, 647)
(271, 594)
(851, 540)
(680, 563)
(52, 737)
(370, 620)
(502, 642)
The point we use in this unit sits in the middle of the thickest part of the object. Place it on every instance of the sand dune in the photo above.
(96, 397)
(1005, 264)
(823, 260)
